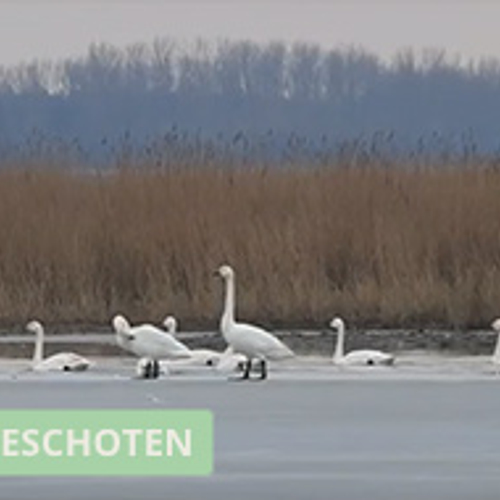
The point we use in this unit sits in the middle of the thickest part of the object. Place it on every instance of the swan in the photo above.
(495, 359)
(198, 358)
(170, 323)
(224, 362)
(230, 362)
(251, 341)
(364, 357)
(63, 361)
(149, 343)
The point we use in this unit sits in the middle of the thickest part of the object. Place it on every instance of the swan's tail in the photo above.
(283, 352)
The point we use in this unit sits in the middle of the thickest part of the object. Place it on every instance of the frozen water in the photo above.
(428, 428)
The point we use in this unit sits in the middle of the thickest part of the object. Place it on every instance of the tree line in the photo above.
(246, 96)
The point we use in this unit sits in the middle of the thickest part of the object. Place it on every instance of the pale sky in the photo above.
(56, 29)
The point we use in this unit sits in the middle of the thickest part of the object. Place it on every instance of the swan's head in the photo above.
(225, 272)
(496, 325)
(170, 323)
(120, 324)
(34, 327)
(337, 323)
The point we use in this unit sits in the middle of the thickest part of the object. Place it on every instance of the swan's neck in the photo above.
(172, 327)
(339, 347)
(38, 354)
(496, 352)
(228, 314)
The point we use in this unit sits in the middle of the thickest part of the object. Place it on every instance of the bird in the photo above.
(170, 323)
(495, 358)
(252, 341)
(63, 361)
(362, 357)
(148, 342)
(230, 362)
(199, 357)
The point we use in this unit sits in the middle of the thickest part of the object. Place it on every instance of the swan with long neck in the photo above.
(148, 342)
(362, 357)
(200, 358)
(63, 361)
(251, 341)
(495, 358)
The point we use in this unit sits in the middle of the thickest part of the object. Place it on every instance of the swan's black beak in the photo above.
(216, 274)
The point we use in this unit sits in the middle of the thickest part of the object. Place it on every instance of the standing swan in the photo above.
(63, 361)
(364, 357)
(495, 359)
(249, 340)
(149, 343)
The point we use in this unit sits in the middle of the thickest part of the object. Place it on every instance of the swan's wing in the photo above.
(206, 357)
(62, 361)
(151, 341)
(201, 360)
(255, 341)
(170, 346)
(367, 357)
(230, 361)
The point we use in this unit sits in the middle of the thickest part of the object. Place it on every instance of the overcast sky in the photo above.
(55, 29)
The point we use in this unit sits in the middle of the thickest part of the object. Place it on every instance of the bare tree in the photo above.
(162, 64)
(304, 69)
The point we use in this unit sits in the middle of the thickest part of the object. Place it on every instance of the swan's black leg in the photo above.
(246, 371)
(147, 370)
(263, 369)
(155, 369)
(248, 367)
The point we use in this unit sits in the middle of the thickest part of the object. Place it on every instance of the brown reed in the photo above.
(388, 247)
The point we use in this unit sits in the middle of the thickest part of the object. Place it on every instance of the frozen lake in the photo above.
(427, 429)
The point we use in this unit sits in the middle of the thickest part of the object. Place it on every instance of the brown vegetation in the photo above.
(380, 246)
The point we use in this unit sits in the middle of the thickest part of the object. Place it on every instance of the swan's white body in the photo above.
(63, 361)
(231, 362)
(362, 357)
(495, 358)
(148, 341)
(251, 341)
(254, 342)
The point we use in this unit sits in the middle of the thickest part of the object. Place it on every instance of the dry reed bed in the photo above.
(386, 247)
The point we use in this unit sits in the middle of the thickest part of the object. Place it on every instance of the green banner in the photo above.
(106, 442)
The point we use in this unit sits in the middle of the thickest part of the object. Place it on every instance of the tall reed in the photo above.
(391, 247)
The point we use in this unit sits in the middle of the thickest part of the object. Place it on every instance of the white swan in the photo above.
(364, 357)
(170, 323)
(150, 343)
(251, 341)
(198, 358)
(63, 361)
(231, 362)
(495, 358)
